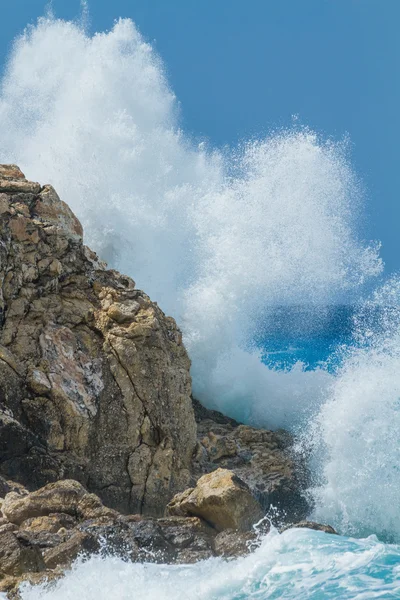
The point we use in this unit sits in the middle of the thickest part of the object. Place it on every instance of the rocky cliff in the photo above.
(94, 379)
(100, 440)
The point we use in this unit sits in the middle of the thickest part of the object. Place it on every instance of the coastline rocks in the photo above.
(263, 459)
(98, 430)
(221, 499)
(94, 379)
(18, 555)
(37, 542)
(233, 544)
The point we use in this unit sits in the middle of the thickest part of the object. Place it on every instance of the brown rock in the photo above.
(221, 499)
(94, 379)
(50, 523)
(18, 186)
(64, 554)
(11, 172)
(232, 544)
(311, 525)
(263, 459)
(191, 538)
(61, 497)
(66, 497)
(18, 555)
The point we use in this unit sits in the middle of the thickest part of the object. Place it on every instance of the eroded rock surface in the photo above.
(94, 379)
(263, 459)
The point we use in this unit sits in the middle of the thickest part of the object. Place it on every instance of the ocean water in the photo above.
(307, 335)
(257, 252)
(299, 564)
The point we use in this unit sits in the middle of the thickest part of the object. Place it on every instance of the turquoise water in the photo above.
(299, 564)
(309, 335)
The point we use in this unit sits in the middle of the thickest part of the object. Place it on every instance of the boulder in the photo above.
(67, 496)
(191, 538)
(221, 499)
(65, 553)
(52, 523)
(94, 378)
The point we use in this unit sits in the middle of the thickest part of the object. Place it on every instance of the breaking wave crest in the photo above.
(215, 236)
(299, 564)
(356, 432)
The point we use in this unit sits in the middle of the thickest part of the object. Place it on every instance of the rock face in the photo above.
(94, 379)
(221, 499)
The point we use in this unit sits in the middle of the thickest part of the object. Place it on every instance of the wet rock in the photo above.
(65, 553)
(191, 538)
(221, 499)
(18, 555)
(232, 544)
(311, 525)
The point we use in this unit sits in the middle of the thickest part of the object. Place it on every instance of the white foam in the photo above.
(299, 564)
(357, 431)
(214, 237)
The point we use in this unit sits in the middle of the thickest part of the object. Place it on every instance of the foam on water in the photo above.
(213, 236)
(299, 565)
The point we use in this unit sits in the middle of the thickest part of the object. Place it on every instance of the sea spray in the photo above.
(215, 237)
(356, 433)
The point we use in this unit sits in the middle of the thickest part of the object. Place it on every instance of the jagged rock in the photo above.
(51, 523)
(67, 496)
(95, 391)
(262, 459)
(65, 553)
(43, 546)
(232, 544)
(191, 538)
(311, 525)
(18, 555)
(221, 499)
(94, 379)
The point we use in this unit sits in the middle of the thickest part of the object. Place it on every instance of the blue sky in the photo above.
(240, 68)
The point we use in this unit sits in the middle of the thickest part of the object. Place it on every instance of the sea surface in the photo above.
(298, 564)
